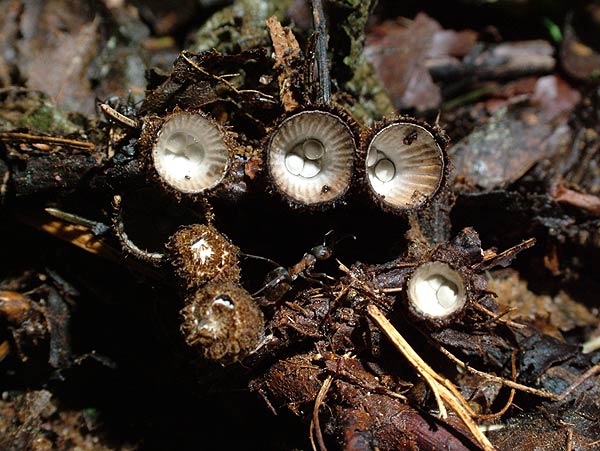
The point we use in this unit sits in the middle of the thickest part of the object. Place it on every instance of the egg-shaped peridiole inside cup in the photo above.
(436, 291)
(310, 157)
(190, 153)
(404, 165)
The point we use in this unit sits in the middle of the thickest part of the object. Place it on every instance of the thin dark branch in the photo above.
(320, 26)
(129, 246)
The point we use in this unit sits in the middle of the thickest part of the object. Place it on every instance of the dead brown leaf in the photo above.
(59, 41)
(401, 55)
(518, 135)
(561, 311)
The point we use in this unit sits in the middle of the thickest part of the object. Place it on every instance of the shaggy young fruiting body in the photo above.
(223, 322)
(200, 254)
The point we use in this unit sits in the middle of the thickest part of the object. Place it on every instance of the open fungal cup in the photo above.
(404, 165)
(311, 157)
(436, 291)
(190, 154)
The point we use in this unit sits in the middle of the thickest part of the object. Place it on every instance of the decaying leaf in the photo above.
(402, 54)
(517, 136)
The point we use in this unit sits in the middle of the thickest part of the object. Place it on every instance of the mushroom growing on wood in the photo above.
(404, 165)
(191, 154)
(223, 321)
(200, 253)
(436, 292)
(310, 157)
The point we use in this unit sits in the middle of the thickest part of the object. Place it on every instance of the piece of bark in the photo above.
(366, 421)
(515, 59)
(286, 50)
(534, 432)
(9, 32)
(58, 318)
(587, 202)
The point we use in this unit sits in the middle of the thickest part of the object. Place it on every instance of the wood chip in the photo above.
(286, 50)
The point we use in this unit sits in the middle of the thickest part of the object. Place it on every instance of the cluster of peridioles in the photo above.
(314, 157)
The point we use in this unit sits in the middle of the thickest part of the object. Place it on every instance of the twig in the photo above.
(492, 416)
(371, 291)
(315, 424)
(446, 390)
(154, 258)
(435, 388)
(220, 79)
(320, 26)
(580, 380)
(498, 316)
(97, 228)
(593, 344)
(27, 137)
(392, 290)
(75, 234)
(589, 202)
(467, 420)
(334, 303)
(511, 396)
(492, 259)
(110, 112)
(82, 237)
(311, 436)
(501, 380)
